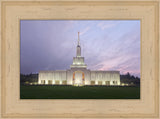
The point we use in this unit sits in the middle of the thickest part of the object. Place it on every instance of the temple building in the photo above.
(78, 74)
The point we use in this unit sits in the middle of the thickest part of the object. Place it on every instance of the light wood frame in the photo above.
(14, 11)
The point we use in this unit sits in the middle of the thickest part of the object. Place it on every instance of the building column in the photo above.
(46, 81)
(96, 82)
(53, 81)
(103, 83)
(39, 81)
(60, 82)
(111, 82)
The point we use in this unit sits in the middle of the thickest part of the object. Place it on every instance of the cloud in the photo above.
(122, 54)
(106, 25)
(85, 30)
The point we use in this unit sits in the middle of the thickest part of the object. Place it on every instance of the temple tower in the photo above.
(78, 48)
(78, 61)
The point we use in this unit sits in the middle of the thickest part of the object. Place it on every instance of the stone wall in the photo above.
(52, 76)
(102, 76)
(91, 77)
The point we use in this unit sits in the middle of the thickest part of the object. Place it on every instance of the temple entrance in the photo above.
(78, 78)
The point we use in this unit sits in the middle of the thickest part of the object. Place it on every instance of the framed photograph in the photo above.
(80, 59)
(106, 59)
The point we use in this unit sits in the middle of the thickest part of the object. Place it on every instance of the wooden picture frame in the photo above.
(13, 11)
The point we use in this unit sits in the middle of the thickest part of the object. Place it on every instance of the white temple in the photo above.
(78, 74)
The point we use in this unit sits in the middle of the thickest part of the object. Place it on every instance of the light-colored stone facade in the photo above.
(78, 74)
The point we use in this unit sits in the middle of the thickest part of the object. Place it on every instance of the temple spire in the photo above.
(78, 48)
(78, 40)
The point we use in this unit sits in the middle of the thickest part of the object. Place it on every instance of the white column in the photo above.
(39, 77)
(53, 81)
(103, 82)
(60, 82)
(96, 82)
(111, 82)
(39, 81)
(46, 81)
(118, 83)
(87, 82)
(71, 82)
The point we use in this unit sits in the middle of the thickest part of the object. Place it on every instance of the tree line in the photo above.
(129, 79)
(28, 78)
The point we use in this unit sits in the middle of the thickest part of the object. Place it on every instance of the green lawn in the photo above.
(84, 92)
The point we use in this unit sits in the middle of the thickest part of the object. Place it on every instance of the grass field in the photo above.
(84, 92)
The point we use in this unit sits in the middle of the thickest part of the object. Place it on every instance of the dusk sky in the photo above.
(105, 44)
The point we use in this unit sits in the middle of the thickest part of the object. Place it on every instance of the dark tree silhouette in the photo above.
(28, 78)
(129, 79)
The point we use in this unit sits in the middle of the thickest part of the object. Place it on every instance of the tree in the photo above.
(130, 79)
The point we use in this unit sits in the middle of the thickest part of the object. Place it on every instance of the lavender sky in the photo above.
(105, 44)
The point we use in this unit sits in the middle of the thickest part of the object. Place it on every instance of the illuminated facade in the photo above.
(78, 74)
